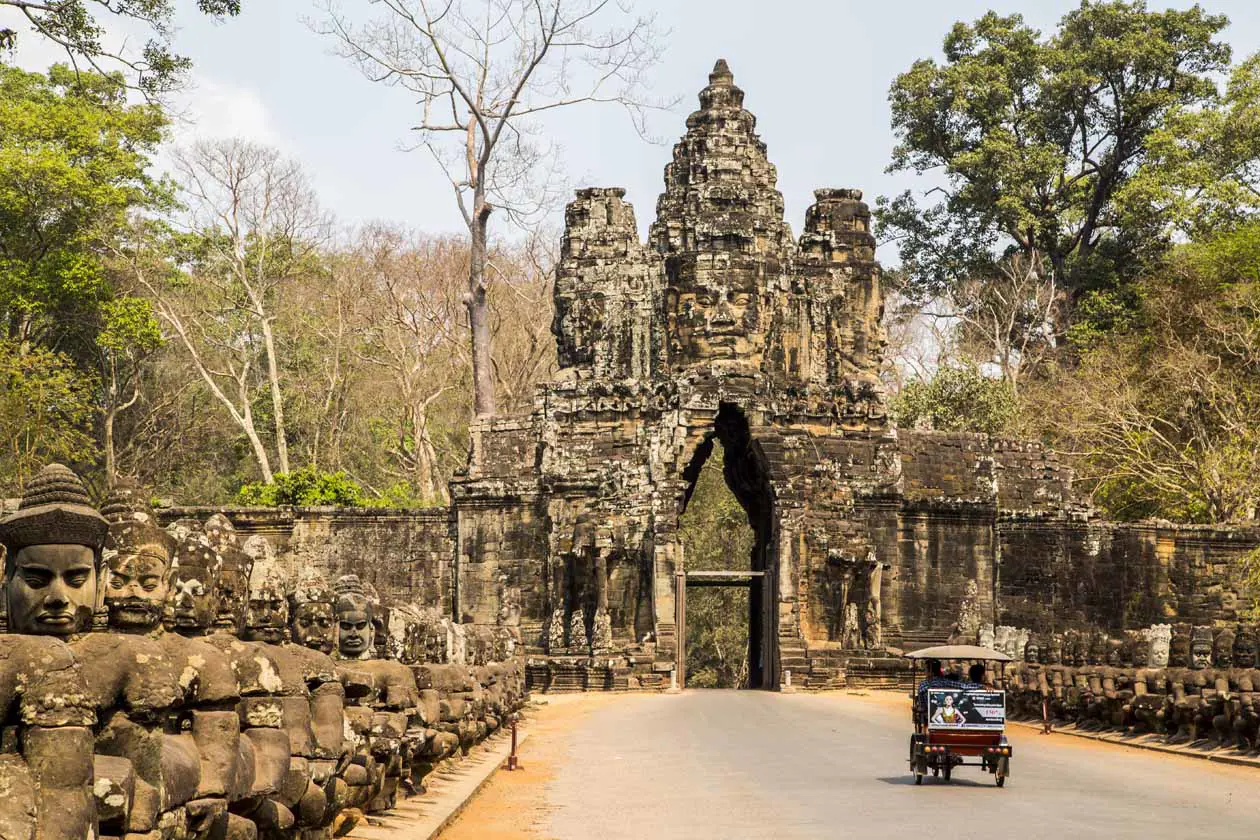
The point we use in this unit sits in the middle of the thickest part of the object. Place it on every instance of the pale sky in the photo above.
(815, 72)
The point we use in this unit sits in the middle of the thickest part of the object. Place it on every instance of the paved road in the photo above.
(722, 764)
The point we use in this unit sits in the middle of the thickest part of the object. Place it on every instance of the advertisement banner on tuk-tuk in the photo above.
(955, 708)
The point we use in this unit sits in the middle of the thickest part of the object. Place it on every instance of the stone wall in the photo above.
(1062, 571)
(406, 555)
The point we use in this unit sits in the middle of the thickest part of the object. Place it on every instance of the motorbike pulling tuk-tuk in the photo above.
(959, 726)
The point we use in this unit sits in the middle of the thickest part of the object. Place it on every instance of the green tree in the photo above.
(1204, 169)
(1033, 137)
(73, 160)
(45, 413)
(958, 398)
(72, 25)
(715, 535)
(129, 335)
(1163, 416)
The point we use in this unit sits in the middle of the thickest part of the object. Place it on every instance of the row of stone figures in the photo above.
(1197, 685)
(168, 684)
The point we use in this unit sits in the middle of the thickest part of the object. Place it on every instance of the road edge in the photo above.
(1220, 755)
(425, 817)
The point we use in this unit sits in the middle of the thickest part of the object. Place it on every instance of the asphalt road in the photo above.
(724, 764)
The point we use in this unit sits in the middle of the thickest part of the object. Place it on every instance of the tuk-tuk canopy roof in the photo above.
(958, 652)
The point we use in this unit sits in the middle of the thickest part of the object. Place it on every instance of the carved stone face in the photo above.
(52, 590)
(1244, 651)
(1032, 651)
(715, 316)
(137, 590)
(1055, 653)
(356, 637)
(1223, 650)
(1141, 654)
(193, 599)
(1200, 654)
(354, 633)
(266, 616)
(233, 596)
(314, 626)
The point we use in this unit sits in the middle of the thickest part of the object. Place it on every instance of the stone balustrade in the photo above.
(170, 684)
(1183, 684)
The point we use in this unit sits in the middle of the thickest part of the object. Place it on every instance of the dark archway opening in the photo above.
(727, 531)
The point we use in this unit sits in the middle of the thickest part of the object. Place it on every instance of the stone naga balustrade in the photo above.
(172, 685)
(129, 737)
(1180, 684)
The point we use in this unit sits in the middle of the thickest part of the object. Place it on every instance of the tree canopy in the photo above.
(1033, 137)
(73, 163)
(79, 27)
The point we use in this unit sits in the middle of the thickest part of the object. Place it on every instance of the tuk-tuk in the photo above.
(959, 726)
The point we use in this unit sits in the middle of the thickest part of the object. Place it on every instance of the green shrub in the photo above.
(307, 486)
(956, 399)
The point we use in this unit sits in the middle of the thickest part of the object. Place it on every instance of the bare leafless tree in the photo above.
(484, 72)
(255, 225)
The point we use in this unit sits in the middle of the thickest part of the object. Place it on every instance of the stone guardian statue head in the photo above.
(356, 635)
(193, 603)
(53, 548)
(138, 557)
(267, 610)
(1245, 647)
(312, 621)
(1201, 648)
(236, 565)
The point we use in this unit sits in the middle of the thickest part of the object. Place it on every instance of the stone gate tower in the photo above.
(722, 328)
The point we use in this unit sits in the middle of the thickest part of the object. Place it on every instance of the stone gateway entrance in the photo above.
(746, 475)
(726, 329)
(722, 328)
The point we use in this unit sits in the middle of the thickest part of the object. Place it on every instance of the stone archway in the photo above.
(746, 474)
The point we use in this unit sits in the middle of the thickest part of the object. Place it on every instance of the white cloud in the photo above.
(214, 109)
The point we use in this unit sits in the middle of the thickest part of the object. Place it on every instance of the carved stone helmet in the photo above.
(138, 555)
(1116, 652)
(56, 528)
(312, 620)
(1223, 648)
(1201, 647)
(1245, 647)
(55, 509)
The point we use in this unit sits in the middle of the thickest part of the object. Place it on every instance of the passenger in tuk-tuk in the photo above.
(936, 679)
